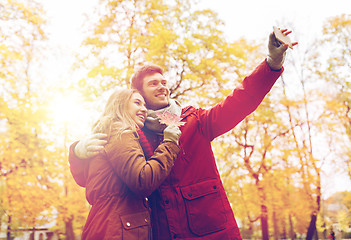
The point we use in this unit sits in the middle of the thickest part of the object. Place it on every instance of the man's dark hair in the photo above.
(136, 81)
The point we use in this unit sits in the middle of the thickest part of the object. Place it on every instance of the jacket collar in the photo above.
(187, 111)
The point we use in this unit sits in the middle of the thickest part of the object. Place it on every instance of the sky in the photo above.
(254, 18)
(250, 19)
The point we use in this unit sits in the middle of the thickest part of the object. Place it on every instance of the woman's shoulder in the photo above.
(125, 143)
(125, 138)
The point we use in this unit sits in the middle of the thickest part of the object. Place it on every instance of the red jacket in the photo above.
(191, 203)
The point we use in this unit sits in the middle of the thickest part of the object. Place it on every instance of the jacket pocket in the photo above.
(204, 207)
(136, 226)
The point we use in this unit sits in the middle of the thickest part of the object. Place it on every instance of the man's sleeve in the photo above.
(77, 167)
(225, 115)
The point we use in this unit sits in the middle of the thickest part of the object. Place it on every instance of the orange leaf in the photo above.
(169, 119)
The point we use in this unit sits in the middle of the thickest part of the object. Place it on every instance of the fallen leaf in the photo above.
(169, 119)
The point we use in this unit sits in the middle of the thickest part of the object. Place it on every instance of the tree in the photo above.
(334, 69)
(23, 147)
(29, 170)
(70, 202)
(334, 78)
(189, 44)
(256, 141)
(302, 128)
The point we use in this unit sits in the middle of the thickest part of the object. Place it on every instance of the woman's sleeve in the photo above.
(76, 166)
(128, 161)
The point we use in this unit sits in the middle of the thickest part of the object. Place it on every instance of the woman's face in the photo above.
(137, 110)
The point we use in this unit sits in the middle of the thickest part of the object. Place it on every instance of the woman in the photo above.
(119, 178)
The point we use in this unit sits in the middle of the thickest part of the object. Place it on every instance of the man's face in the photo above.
(155, 91)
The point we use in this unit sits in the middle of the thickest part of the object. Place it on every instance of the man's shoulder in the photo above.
(188, 110)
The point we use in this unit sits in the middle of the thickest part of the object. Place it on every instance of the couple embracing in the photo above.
(147, 180)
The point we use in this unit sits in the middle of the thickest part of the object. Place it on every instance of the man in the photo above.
(191, 203)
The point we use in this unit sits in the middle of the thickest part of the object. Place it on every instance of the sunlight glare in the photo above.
(69, 113)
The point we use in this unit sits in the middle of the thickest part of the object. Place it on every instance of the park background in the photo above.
(286, 168)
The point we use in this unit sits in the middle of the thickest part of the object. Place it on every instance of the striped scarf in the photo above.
(152, 121)
(145, 145)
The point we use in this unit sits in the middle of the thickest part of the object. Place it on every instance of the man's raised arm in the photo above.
(245, 98)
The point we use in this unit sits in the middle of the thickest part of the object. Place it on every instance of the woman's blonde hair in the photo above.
(115, 119)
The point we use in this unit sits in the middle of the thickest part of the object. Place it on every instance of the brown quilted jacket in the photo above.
(118, 182)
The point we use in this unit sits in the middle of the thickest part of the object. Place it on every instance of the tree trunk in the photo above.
(292, 232)
(315, 234)
(283, 233)
(275, 224)
(69, 230)
(312, 227)
(312, 230)
(264, 222)
(8, 233)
